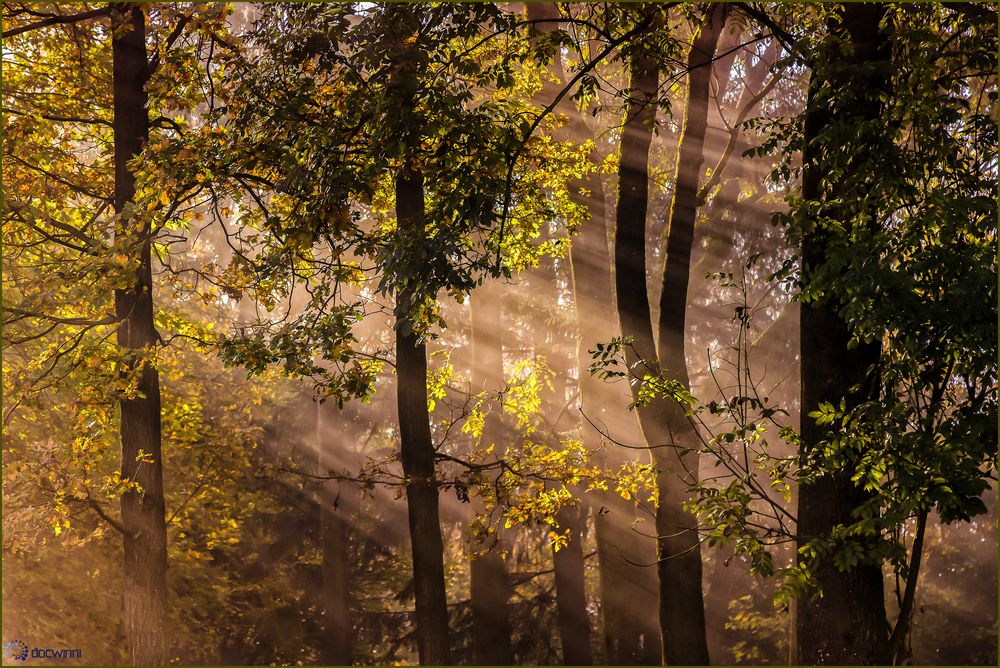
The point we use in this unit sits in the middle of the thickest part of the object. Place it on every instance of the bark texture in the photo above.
(846, 624)
(682, 609)
(145, 563)
(417, 450)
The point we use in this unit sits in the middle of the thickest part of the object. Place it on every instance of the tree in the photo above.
(666, 428)
(347, 202)
(490, 585)
(872, 141)
(143, 514)
(846, 625)
(334, 536)
(440, 239)
(140, 484)
(416, 447)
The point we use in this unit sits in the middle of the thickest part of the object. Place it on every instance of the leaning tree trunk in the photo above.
(629, 630)
(145, 572)
(416, 446)
(844, 621)
(665, 427)
(490, 587)
(682, 610)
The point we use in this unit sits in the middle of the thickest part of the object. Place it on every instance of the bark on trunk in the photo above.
(417, 450)
(336, 649)
(665, 427)
(416, 446)
(846, 624)
(682, 611)
(900, 633)
(145, 563)
(490, 584)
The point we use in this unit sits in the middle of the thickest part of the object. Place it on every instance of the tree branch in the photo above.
(54, 20)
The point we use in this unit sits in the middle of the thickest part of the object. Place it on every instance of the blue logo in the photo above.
(16, 650)
(19, 651)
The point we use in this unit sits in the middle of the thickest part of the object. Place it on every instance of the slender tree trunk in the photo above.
(336, 649)
(682, 610)
(568, 564)
(629, 631)
(571, 595)
(417, 450)
(665, 426)
(144, 584)
(416, 446)
(844, 621)
(490, 585)
(897, 641)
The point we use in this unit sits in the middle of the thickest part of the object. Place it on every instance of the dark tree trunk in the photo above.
(665, 427)
(417, 450)
(629, 630)
(844, 621)
(490, 585)
(630, 633)
(682, 611)
(901, 631)
(416, 446)
(145, 572)
(337, 628)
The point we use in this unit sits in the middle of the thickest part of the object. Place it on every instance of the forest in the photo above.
(653, 333)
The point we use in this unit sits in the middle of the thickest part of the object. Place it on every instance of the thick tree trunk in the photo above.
(665, 426)
(337, 629)
(145, 571)
(490, 585)
(844, 621)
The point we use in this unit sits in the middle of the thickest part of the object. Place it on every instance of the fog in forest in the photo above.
(494, 334)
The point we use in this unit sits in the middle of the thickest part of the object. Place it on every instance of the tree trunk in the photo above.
(145, 563)
(682, 611)
(336, 649)
(416, 446)
(844, 622)
(629, 631)
(571, 595)
(664, 424)
(568, 564)
(490, 585)
(417, 450)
